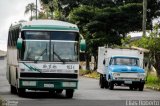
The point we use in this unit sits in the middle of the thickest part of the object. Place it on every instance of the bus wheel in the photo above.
(59, 91)
(21, 92)
(13, 89)
(131, 87)
(69, 93)
(52, 91)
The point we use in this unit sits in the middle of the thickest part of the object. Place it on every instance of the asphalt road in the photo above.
(88, 94)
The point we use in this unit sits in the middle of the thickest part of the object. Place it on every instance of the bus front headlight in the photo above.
(69, 84)
(29, 83)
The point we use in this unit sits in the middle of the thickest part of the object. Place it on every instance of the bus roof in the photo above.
(48, 25)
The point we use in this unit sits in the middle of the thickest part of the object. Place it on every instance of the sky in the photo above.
(11, 11)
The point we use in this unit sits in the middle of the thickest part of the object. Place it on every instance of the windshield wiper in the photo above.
(54, 53)
(44, 51)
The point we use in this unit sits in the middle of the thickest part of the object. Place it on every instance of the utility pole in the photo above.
(144, 17)
(36, 11)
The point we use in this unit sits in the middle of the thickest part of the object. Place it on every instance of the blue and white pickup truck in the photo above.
(121, 67)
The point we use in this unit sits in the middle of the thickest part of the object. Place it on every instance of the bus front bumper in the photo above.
(40, 84)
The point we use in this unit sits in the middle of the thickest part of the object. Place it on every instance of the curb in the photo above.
(153, 88)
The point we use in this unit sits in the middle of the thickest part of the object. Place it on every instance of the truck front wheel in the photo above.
(131, 87)
(106, 84)
(141, 87)
(111, 85)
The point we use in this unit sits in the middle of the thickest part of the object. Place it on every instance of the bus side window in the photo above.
(16, 36)
(9, 34)
(14, 33)
(10, 39)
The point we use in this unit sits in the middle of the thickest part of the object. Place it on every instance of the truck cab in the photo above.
(125, 70)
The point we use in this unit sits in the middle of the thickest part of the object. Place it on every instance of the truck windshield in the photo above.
(124, 61)
(50, 46)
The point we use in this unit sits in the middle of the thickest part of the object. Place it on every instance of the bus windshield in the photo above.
(49, 46)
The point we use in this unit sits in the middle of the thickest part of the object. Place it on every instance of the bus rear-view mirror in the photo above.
(19, 43)
(83, 45)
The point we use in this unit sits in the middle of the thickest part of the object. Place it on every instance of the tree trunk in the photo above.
(157, 64)
(95, 62)
(87, 61)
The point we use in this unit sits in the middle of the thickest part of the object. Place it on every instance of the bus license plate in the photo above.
(49, 85)
(128, 82)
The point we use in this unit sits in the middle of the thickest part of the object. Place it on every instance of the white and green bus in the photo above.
(44, 55)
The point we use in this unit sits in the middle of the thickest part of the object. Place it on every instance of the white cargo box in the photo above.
(107, 53)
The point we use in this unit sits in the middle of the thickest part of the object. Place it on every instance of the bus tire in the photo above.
(69, 93)
(131, 87)
(59, 91)
(13, 89)
(21, 92)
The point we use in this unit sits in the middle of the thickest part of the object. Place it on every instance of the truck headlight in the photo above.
(69, 84)
(141, 75)
(116, 74)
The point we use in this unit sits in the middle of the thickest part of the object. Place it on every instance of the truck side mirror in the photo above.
(19, 43)
(83, 45)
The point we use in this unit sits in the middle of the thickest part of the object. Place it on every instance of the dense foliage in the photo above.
(152, 43)
(102, 22)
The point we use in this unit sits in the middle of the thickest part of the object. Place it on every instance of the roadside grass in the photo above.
(153, 82)
(0, 101)
(90, 74)
(84, 72)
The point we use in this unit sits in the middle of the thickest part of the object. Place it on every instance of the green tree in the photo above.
(81, 16)
(30, 8)
(106, 26)
(153, 44)
(54, 8)
(153, 9)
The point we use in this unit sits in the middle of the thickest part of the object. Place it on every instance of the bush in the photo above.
(153, 81)
(84, 72)
(94, 74)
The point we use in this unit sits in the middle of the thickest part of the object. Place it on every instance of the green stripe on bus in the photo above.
(49, 27)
